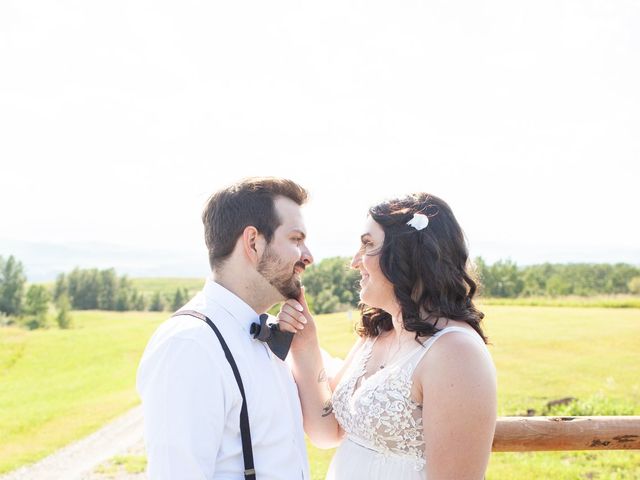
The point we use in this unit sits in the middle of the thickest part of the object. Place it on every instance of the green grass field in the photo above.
(598, 301)
(57, 386)
(166, 286)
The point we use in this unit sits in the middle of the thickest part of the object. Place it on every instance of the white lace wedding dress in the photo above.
(383, 425)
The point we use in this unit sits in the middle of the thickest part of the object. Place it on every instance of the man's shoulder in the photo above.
(181, 341)
(183, 326)
(184, 351)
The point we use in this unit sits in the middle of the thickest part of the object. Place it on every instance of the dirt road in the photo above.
(80, 460)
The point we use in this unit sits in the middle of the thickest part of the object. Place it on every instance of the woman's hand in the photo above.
(295, 317)
(309, 373)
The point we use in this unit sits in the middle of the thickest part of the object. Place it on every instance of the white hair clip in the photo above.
(419, 221)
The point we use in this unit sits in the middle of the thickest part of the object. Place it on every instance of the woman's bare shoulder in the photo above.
(456, 352)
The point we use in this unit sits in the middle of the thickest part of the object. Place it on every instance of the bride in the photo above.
(416, 395)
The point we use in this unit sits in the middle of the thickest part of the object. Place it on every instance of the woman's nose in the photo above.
(355, 261)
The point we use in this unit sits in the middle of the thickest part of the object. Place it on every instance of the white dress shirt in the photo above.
(191, 400)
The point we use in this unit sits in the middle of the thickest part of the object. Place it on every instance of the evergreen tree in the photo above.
(123, 295)
(84, 286)
(12, 281)
(123, 302)
(61, 287)
(108, 289)
(157, 303)
(179, 299)
(138, 301)
(36, 306)
(63, 318)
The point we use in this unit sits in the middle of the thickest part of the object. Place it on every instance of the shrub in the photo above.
(63, 318)
(36, 307)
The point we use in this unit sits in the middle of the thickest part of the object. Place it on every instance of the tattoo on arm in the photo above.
(327, 409)
(322, 376)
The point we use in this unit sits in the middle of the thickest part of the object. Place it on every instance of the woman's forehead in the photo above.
(372, 228)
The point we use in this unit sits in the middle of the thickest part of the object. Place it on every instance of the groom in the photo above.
(195, 416)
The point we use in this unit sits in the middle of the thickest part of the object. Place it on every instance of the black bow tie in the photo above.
(279, 341)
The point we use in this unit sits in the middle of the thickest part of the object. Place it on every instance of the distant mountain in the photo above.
(44, 261)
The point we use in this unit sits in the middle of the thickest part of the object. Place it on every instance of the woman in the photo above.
(416, 396)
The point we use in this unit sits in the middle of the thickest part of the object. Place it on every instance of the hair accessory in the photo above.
(419, 221)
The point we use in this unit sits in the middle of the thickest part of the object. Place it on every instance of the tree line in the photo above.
(505, 279)
(330, 286)
(93, 289)
(80, 289)
(28, 307)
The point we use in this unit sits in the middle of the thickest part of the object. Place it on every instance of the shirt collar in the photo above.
(233, 304)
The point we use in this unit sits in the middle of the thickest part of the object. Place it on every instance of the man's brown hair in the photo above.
(249, 202)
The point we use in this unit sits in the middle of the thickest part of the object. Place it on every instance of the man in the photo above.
(191, 400)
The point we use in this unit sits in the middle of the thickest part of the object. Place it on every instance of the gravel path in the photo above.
(92, 457)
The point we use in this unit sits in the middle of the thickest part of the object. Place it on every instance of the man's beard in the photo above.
(280, 275)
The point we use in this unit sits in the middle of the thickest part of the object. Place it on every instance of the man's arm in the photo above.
(184, 410)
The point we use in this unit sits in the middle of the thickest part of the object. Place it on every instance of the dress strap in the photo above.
(429, 343)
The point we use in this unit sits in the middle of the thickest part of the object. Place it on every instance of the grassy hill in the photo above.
(167, 286)
(57, 386)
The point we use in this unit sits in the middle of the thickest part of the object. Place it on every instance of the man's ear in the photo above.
(253, 244)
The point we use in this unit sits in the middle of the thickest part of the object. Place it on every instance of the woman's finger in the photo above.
(293, 312)
(302, 301)
(294, 304)
(287, 327)
(285, 323)
(290, 319)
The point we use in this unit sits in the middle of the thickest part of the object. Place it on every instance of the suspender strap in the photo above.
(245, 433)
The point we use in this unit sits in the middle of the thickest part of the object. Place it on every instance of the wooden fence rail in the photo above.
(528, 434)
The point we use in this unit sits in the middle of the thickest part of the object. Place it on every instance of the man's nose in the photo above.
(306, 257)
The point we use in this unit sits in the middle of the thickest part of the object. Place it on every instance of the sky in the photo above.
(118, 120)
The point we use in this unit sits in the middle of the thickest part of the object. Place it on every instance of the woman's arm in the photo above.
(315, 388)
(458, 382)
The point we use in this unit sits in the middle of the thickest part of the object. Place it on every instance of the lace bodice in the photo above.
(378, 412)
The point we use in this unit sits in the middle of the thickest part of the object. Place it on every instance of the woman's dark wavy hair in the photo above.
(428, 268)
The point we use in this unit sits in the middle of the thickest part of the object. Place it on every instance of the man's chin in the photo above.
(289, 289)
(292, 291)
(292, 294)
